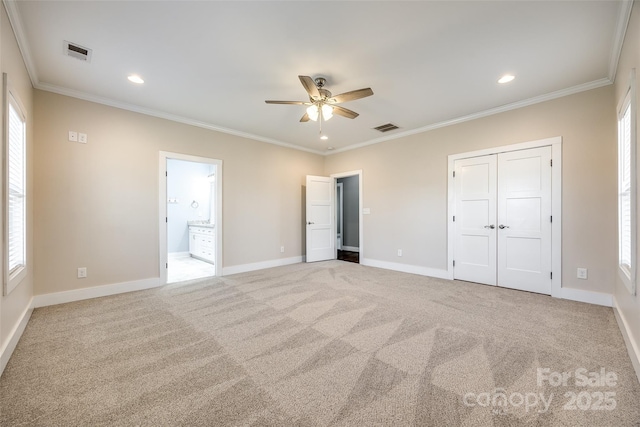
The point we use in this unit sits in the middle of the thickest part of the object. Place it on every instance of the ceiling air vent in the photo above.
(386, 128)
(76, 51)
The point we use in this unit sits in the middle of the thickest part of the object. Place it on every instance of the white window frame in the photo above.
(627, 186)
(13, 276)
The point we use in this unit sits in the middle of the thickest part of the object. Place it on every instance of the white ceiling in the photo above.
(213, 63)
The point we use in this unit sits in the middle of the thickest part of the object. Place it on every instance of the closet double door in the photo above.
(503, 220)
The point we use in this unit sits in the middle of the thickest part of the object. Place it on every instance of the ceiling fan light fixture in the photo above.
(313, 112)
(327, 111)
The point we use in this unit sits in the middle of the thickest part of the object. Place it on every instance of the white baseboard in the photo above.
(632, 345)
(244, 268)
(406, 268)
(14, 337)
(95, 292)
(139, 285)
(350, 248)
(590, 297)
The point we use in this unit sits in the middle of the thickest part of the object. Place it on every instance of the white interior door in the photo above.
(524, 220)
(475, 226)
(320, 205)
(339, 214)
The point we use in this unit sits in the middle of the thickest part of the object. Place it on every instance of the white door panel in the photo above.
(524, 210)
(320, 206)
(511, 191)
(475, 213)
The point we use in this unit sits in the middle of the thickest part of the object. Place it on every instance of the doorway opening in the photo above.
(323, 195)
(190, 213)
(348, 218)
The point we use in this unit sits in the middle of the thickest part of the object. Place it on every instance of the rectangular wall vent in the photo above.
(76, 51)
(386, 128)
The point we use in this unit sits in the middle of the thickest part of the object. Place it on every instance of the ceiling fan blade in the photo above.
(287, 102)
(353, 95)
(341, 111)
(304, 118)
(310, 86)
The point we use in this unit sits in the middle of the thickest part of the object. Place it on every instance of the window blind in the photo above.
(16, 189)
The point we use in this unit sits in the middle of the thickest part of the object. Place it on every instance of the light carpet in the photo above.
(323, 344)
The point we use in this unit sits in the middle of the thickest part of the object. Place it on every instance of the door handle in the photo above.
(310, 223)
(503, 226)
(490, 226)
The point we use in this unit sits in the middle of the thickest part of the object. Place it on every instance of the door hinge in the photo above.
(454, 174)
(166, 265)
(454, 262)
(166, 219)
(551, 218)
(551, 162)
(551, 275)
(454, 218)
(166, 173)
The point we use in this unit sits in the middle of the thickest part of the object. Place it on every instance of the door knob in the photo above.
(502, 226)
(310, 223)
(490, 226)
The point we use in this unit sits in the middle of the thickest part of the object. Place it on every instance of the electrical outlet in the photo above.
(582, 273)
(73, 136)
(82, 138)
(282, 249)
(399, 252)
(82, 272)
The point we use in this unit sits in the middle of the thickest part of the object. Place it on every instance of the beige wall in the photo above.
(97, 203)
(14, 305)
(405, 183)
(628, 305)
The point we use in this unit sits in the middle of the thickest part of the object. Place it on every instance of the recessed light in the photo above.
(324, 137)
(506, 78)
(134, 78)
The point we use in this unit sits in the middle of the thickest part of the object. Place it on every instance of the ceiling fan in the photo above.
(322, 105)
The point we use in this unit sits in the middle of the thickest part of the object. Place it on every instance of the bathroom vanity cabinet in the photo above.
(202, 242)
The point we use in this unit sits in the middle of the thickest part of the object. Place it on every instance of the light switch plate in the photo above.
(366, 211)
(73, 136)
(82, 138)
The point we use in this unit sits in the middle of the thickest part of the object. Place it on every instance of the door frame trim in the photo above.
(162, 209)
(335, 177)
(556, 202)
(340, 215)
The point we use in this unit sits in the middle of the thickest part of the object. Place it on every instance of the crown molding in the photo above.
(16, 24)
(167, 116)
(155, 113)
(502, 109)
(621, 30)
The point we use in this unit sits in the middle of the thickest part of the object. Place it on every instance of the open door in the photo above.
(320, 213)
